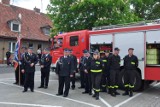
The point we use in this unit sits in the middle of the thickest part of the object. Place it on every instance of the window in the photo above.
(30, 45)
(47, 31)
(12, 46)
(15, 27)
(74, 41)
(39, 46)
(58, 43)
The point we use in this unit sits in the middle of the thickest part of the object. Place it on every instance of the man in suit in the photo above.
(45, 63)
(74, 59)
(28, 67)
(64, 69)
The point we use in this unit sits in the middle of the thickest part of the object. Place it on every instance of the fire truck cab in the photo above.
(77, 41)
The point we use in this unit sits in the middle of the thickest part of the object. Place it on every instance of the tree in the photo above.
(71, 15)
(146, 9)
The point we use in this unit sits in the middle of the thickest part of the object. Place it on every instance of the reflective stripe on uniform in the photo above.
(131, 86)
(116, 86)
(133, 63)
(104, 60)
(97, 90)
(96, 70)
(97, 62)
(127, 85)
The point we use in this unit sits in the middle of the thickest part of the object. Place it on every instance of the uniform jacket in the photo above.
(96, 65)
(65, 66)
(130, 63)
(114, 62)
(46, 61)
(81, 64)
(74, 59)
(87, 63)
(27, 60)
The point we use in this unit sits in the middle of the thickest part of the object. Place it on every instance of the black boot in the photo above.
(112, 93)
(126, 92)
(131, 93)
(97, 95)
(116, 93)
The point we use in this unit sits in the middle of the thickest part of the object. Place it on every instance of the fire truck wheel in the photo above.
(137, 82)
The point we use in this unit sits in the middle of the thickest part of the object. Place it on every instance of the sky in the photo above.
(31, 4)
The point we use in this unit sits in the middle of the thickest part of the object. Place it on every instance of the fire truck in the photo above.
(145, 39)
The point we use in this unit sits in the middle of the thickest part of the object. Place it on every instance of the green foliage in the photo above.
(71, 15)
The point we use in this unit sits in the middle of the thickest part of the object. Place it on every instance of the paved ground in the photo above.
(12, 96)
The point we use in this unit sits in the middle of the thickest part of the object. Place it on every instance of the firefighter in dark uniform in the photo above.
(45, 64)
(96, 67)
(130, 67)
(28, 67)
(22, 75)
(18, 73)
(114, 64)
(64, 69)
(81, 69)
(87, 74)
(74, 59)
(105, 73)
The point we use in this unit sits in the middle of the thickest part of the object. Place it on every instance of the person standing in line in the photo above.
(65, 70)
(105, 82)
(96, 67)
(114, 64)
(74, 59)
(45, 64)
(87, 74)
(28, 67)
(81, 69)
(130, 67)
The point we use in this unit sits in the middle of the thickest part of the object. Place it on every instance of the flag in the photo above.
(17, 52)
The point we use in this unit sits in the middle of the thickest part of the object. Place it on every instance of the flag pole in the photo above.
(19, 56)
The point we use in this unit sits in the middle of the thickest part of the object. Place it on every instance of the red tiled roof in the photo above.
(31, 23)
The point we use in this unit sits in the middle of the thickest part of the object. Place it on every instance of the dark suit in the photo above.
(46, 61)
(87, 76)
(64, 69)
(74, 59)
(29, 71)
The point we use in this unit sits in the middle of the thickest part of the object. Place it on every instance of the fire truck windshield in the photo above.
(58, 42)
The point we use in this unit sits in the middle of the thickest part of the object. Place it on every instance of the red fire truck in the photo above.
(145, 39)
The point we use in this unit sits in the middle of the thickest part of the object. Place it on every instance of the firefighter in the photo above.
(74, 59)
(81, 69)
(130, 66)
(87, 74)
(45, 63)
(28, 67)
(96, 73)
(64, 69)
(105, 73)
(114, 64)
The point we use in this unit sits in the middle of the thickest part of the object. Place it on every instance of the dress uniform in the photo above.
(74, 59)
(96, 67)
(64, 69)
(45, 63)
(130, 66)
(114, 64)
(105, 74)
(87, 74)
(81, 69)
(28, 67)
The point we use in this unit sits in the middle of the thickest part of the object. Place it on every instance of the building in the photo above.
(31, 25)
